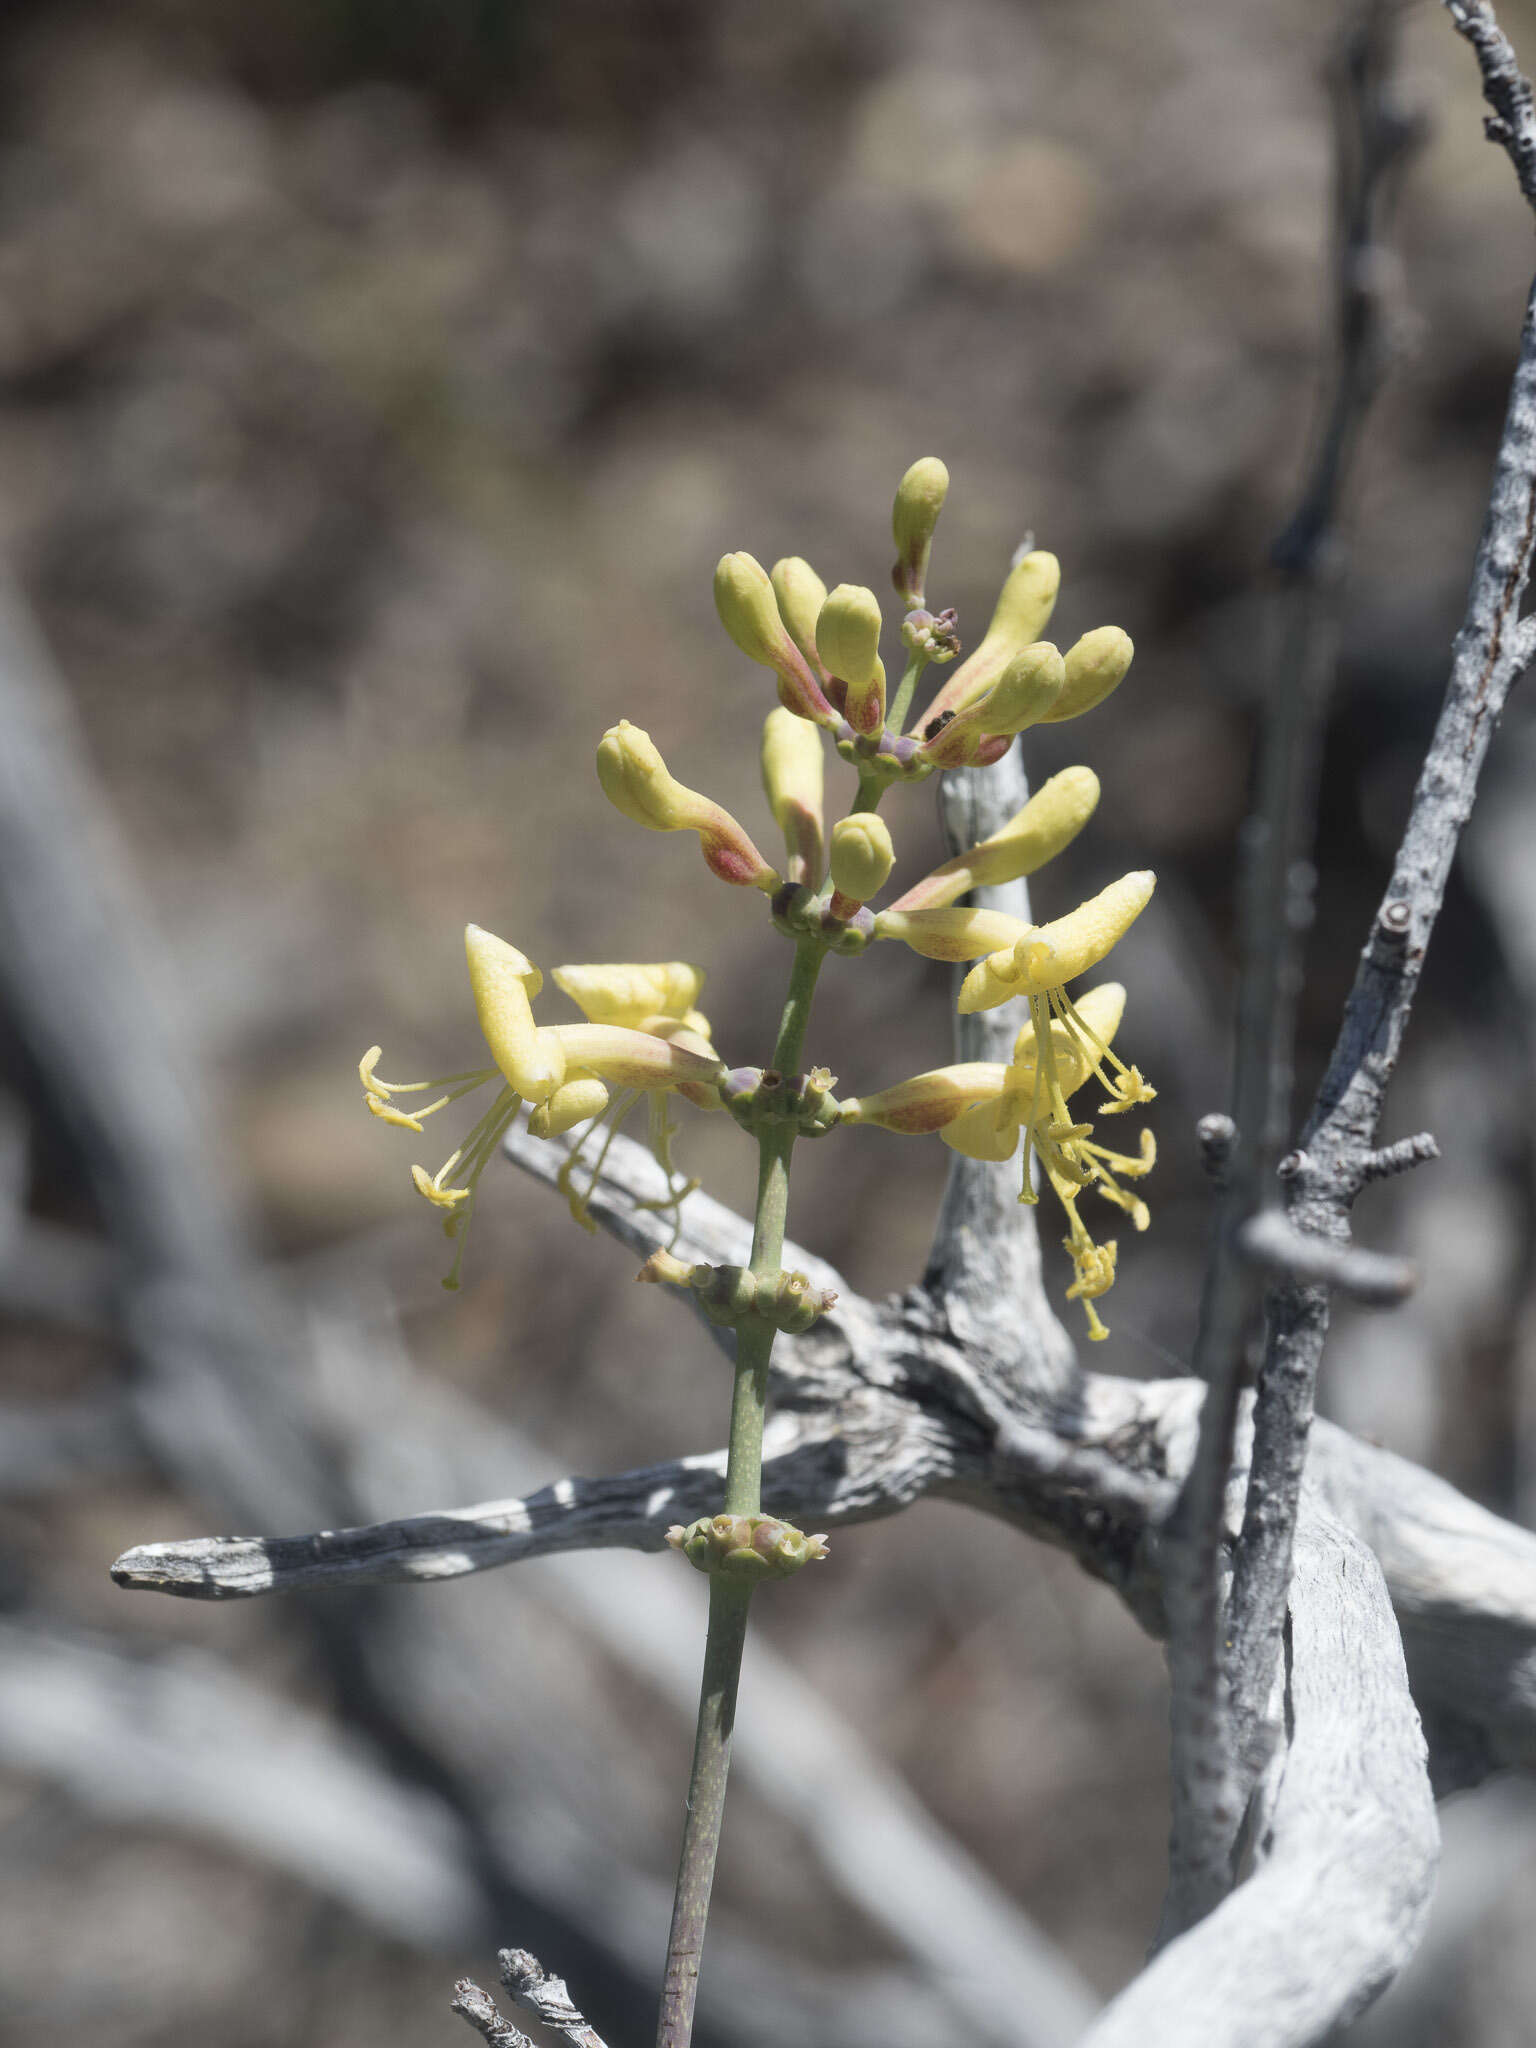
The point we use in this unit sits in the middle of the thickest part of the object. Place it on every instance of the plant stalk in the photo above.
(730, 1598)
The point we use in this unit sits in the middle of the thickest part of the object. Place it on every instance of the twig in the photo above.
(1374, 1279)
(1399, 1158)
(1340, 1140)
(1206, 1780)
(546, 1997)
(483, 2014)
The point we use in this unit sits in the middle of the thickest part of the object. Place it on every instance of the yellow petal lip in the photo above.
(630, 991)
(501, 980)
(574, 1102)
(1050, 955)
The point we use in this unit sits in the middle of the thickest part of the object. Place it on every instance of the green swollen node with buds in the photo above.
(746, 1546)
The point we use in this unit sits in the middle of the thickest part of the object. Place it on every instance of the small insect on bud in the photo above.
(862, 856)
(801, 594)
(1095, 667)
(919, 500)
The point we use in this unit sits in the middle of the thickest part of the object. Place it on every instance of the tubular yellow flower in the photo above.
(860, 860)
(1023, 611)
(1095, 667)
(749, 612)
(944, 934)
(927, 1102)
(919, 500)
(1049, 822)
(637, 782)
(982, 1110)
(562, 1071)
(794, 775)
(1045, 956)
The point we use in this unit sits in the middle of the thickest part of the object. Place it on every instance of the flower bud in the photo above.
(1050, 821)
(848, 632)
(919, 500)
(749, 611)
(800, 594)
(1096, 667)
(862, 856)
(1048, 955)
(748, 608)
(746, 1546)
(502, 981)
(928, 1101)
(794, 771)
(636, 781)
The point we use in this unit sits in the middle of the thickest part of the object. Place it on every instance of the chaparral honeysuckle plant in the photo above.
(644, 1036)
(1347, 1635)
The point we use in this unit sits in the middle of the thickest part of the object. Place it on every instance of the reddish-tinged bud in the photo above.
(749, 611)
(919, 500)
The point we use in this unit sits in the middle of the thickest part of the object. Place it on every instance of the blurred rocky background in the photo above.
(379, 382)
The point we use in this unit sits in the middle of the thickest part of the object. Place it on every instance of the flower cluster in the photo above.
(644, 1037)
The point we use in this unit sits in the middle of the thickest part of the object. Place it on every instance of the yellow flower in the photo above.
(1044, 956)
(982, 1109)
(644, 1037)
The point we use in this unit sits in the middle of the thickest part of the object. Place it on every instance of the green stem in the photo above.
(901, 703)
(730, 1598)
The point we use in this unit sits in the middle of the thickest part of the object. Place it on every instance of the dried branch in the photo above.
(1340, 1141)
(483, 2014)
(546, 1997)
(1342, 1890)
(1094, 1481)
(1206, 1777)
